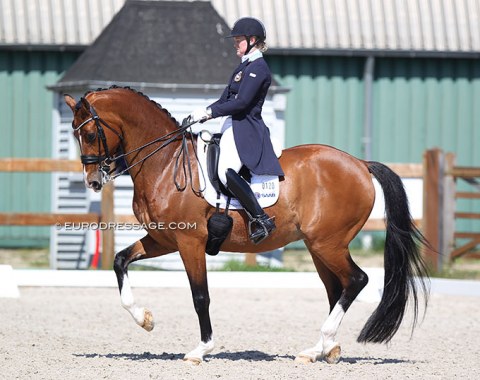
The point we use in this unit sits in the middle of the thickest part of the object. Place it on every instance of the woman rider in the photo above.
(246, 138)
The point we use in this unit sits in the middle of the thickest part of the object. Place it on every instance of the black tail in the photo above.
(405, 270)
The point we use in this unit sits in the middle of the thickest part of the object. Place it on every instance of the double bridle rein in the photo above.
(104, 161)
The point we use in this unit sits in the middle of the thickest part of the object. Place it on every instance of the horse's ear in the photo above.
(71, 102)
(85, 103)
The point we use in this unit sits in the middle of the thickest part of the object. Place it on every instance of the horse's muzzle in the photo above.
(95, 185)
(93, 179)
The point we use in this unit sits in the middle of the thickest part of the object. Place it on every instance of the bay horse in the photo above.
(325, 198)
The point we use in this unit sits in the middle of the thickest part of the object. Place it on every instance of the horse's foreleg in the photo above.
(193, 256)
(345, 275)
(143, 248)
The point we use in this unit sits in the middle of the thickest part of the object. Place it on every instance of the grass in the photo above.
(38, 258)
(463, 269)
(239, 266)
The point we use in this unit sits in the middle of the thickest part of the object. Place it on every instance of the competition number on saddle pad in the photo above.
(265, 187)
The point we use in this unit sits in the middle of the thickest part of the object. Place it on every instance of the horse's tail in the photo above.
(405, 270)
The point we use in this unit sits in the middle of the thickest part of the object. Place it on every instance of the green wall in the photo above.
(417, 104)
(26, 108)
(325, 102)
(426, 103)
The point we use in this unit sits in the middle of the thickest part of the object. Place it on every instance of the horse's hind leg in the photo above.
(141, 249)
(343, 281)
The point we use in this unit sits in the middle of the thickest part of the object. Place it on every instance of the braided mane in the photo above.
(139, 93)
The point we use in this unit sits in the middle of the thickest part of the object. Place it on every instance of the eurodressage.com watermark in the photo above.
(127, 226)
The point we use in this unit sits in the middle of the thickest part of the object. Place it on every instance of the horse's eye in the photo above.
(91, 137)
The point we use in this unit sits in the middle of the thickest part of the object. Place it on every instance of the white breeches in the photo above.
(229, 158)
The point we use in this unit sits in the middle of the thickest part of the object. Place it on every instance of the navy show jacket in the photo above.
(243, 99)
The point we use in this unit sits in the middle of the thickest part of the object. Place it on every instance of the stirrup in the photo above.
(261, 232)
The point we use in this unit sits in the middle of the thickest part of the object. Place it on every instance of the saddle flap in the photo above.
(213, 155)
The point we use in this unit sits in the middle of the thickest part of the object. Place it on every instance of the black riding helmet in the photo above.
(248, 27)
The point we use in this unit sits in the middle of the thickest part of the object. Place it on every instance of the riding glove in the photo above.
(200, 115)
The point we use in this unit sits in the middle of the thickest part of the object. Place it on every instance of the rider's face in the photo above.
(240, 44)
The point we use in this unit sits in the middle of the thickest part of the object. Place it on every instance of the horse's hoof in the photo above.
(303, 359)
(308, 356)
(148, 322)
(334, 355)
(192, 361)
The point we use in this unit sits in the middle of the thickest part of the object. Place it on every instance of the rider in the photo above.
(246, 138)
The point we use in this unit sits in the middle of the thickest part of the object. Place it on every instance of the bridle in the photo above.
(104, 161)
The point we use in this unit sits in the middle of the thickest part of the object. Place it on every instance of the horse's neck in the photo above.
(142, 130)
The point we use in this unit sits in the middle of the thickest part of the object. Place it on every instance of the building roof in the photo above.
(158, 44)
(387, 25)
(51, 23)
(405, 26)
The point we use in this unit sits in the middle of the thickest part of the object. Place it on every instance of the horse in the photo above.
(326, 196)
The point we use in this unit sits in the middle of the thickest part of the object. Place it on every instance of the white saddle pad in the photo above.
(265, 187)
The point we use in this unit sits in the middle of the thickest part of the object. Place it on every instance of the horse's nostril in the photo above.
(95, 185)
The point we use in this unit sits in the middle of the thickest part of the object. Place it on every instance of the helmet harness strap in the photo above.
(249, 45)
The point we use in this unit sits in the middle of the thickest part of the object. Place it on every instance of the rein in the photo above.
(104, 161)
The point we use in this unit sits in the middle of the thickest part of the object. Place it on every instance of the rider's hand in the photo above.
(200, 115)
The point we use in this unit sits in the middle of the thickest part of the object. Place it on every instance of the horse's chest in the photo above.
(150, 208)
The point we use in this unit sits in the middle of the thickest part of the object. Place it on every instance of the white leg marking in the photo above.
(330, 328)
(327, 337)
(126, 296)
(198, 353)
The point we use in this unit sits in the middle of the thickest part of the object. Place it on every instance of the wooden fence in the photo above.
(441, 176)
(45, 219)
(438, 171)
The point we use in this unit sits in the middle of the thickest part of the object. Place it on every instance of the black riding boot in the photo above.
(260, 224)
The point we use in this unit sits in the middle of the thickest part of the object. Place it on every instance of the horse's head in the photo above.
(99, 137)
